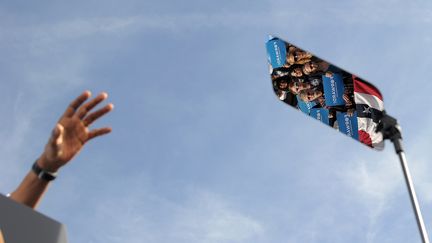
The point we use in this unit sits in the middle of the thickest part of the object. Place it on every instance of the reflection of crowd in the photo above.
(301, 77)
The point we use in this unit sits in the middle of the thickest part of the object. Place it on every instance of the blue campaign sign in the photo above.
(305, 107)
(348, 124)
(276, 51)
(333, 89)
(321, 114)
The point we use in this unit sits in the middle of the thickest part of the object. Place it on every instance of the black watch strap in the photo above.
(43, 174)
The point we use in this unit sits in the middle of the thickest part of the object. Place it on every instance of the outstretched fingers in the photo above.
(70, 110)
(98, 132)
(88, 120)
(84, 109)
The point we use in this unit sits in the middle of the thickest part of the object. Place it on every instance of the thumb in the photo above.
(57, 135)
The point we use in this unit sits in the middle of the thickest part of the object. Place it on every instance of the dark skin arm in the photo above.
(68, 137)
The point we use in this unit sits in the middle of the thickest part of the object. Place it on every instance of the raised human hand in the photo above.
(72, 131)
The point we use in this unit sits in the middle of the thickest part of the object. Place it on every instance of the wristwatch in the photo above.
(43, 174)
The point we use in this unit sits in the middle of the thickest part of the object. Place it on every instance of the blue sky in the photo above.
(201, 149)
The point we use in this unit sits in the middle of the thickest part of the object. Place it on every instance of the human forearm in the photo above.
(31, 190)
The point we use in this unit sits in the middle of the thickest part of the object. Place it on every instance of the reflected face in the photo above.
(297, 56)
(281, 94)
(306, 86)
(302, 55)
(283, 84)
(296, 87)
(297, 72)
(310, 67)
(310, 95)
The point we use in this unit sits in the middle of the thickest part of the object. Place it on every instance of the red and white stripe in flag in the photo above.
(369, 106)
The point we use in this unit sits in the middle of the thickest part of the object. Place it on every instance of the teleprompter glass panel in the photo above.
(325, 92)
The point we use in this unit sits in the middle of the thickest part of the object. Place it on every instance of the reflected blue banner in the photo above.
(321, 114)
(348, 124)
(305, 107)
(276, 50)
(333, 89)
(328, 93)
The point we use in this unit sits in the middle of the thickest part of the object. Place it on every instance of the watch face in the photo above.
(325, 92)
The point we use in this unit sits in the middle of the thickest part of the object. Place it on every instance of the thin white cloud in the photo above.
(375, 183)
(143, 216)
(12, 143)
(419, 159)
(375, 180)
(208, 218)
(391, 13)
(70, 29)
(378, 183)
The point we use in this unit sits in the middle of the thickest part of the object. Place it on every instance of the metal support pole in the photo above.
(411, 190)
(391, 130)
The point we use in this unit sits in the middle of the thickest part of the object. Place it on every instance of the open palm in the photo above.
(72, 131)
